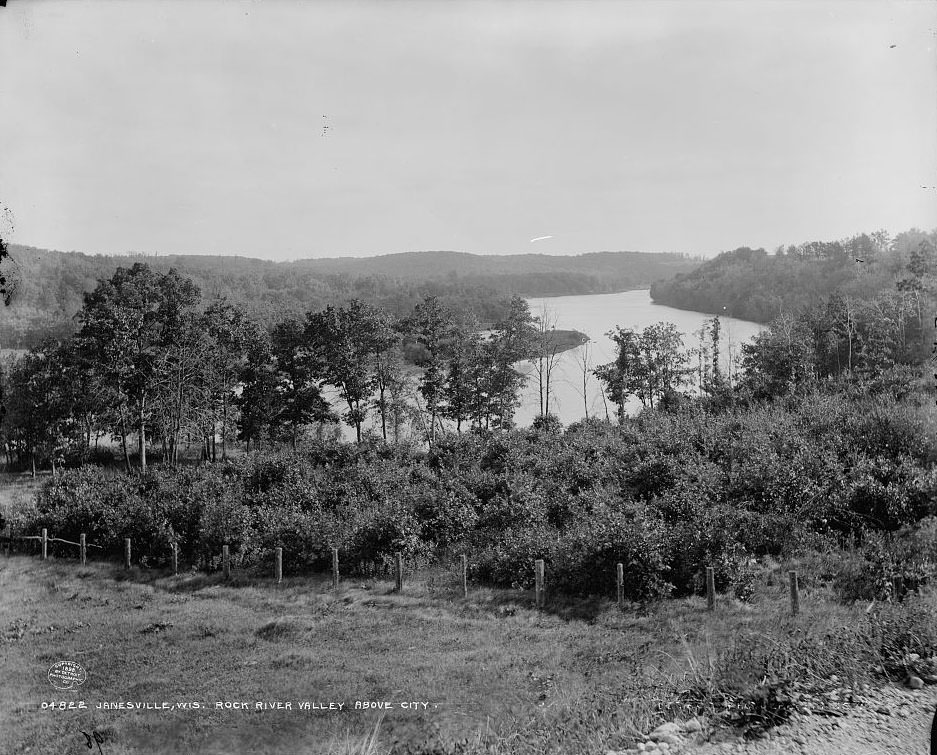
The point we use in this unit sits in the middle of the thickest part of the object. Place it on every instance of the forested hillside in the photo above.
(753, 285)
(50, 284)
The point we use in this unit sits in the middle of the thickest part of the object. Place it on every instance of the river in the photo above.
(595, 315)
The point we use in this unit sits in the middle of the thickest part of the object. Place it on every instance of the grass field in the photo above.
(495, 675)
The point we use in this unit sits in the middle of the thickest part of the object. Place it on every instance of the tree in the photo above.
(348, 341)
(256, 401)
(38, 414)
(621, 376)
(512, 342)
(127, 324)
(431, 324)
(546, 352)
(481, 379)
(663, 365)
(584, 362)
(651, 365)
(780, 358)
(464, 356)
(230, 336)
(389, 377)
(298, 399)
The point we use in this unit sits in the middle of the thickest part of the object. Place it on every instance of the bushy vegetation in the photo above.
(665, 494)
(823, 442)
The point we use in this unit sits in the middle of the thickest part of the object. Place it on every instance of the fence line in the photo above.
(10, 538)
(539, 570)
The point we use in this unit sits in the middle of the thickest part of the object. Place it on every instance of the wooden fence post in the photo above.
(334, 568)
(539, 582)
(896, 587)
(175, 557)
(226, 561)
(126, 552)
(45, 544)
(279, 566)
(620, 584)
(710, 588)
(399, 564)
(795, 593)
(83, 546)
(464, 576)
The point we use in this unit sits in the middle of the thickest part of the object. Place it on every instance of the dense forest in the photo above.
(50, 285)
(751, 284)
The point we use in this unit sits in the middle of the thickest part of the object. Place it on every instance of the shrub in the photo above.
(584, 558)
(709, 540)
(903, 639)
(107, 508)
(869, 571)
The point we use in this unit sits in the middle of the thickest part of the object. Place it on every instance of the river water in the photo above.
(595, 315)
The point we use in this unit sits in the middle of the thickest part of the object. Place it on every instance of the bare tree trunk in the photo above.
(383, 414)
(540, 378)
(550, 364)
(142, 438)
(123, 441)
(224, 425)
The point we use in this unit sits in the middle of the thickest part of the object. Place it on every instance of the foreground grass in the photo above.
(496, 675)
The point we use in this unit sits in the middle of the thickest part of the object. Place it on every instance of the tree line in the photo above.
(752, 284)
(51, 285)
(873, 331)
(153, 365)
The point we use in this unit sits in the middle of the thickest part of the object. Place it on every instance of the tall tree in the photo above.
(512, 342)
(464, 356)
(779, 358)
(651, 365)
(38, 413)
(256, 401)
(127, 323)
(230, 337)
(298, 396)
(348, 340)
(584, 358)
(431, 324)
(390, 380)
(621, 376)
(546, 350)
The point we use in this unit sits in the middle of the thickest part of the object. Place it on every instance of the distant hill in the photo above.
(50, 284)
(751, 284)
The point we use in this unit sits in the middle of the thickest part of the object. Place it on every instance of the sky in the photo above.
(286, 130)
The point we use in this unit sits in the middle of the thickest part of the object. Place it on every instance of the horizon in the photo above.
(138, 253)
(286, 132)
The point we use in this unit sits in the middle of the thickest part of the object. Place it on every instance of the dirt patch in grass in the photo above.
(286, 628)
